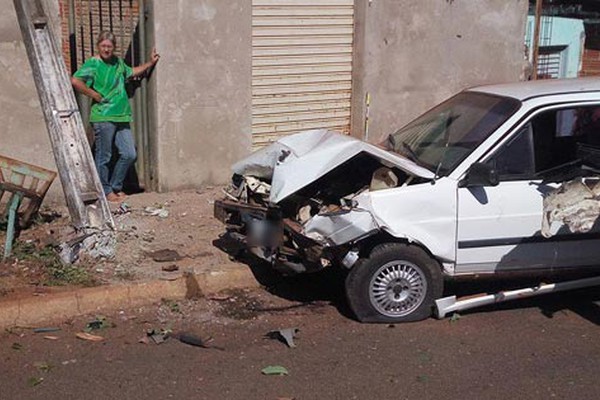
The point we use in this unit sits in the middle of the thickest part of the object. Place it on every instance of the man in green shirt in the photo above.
(102, 78)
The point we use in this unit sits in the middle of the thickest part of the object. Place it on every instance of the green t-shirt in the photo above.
(108, 79)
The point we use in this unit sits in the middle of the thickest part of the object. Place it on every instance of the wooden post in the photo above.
(81, 185)
(536, 39)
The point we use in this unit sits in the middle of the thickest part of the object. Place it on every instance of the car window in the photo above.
(514, 160)
(548, 145)
(444, 136)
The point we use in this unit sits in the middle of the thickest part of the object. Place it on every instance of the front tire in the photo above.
(396, 283)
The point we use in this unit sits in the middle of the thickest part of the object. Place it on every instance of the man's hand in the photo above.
(154, 56)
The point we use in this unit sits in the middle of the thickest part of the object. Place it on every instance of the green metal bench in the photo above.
(22, 190)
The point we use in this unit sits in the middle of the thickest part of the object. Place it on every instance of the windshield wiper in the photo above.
(411, 152)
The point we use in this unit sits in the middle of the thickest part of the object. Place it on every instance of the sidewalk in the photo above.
(164, 250)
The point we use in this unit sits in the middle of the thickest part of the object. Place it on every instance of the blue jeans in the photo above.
(105, 134)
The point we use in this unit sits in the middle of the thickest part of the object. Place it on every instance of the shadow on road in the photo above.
(326, 285)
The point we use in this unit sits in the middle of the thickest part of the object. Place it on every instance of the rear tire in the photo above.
(396, 283)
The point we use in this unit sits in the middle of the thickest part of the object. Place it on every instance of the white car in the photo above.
(458, 192)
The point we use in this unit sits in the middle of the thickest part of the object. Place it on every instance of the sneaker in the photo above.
(113, 197)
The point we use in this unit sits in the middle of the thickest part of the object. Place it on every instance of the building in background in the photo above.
(235, 75)
(561, 46)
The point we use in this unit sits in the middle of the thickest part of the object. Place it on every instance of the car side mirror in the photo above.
(480, 174)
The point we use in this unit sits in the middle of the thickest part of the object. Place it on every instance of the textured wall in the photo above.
(203, 89)
(412, 54)
(409, 56)
(23, 133)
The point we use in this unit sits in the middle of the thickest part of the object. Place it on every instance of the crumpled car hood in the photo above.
(295, 161)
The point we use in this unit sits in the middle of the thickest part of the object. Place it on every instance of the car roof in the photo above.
(546, 87)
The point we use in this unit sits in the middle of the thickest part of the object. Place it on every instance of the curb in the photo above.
(60, 306)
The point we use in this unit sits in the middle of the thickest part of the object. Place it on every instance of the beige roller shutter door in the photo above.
(301, 66)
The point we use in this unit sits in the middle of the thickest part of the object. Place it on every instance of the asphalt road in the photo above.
(540, 348)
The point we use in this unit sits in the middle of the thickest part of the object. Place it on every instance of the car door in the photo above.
(499, 227)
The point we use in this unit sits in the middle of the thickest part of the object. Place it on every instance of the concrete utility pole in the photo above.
(536, 39)
(81, 184)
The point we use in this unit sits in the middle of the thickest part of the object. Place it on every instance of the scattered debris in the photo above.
(194, 340)
(157, 335)
(43, 366)
(172, 305)
(164, 255)
(157, 212)
(34, 381)
(67, 362)
(46, 330)
(122, 209)
(51, 337)
(89, 337)
(275, 370)
(455, 317)
(99, 323)
(286, 335)
(170, 268)
(97, 244)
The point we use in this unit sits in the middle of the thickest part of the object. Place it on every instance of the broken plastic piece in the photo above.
(157, 335)
(123, 209)
(195, 340)
(286, 335)
(89, 337)
(157, 212)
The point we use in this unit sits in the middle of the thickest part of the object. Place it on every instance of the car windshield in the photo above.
(444, 136)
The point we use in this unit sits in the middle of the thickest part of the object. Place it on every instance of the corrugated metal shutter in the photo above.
(301, 66)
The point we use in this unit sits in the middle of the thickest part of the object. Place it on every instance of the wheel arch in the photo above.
(367, 245)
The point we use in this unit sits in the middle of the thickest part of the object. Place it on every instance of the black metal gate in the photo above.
(83, 20)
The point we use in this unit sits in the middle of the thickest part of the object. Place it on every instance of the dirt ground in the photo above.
(159, 236)
(541, 348)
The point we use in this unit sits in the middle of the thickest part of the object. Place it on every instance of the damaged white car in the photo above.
(456, 193)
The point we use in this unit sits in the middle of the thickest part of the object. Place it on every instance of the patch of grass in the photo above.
(172, 305)
(56, 273)
(62, 274)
